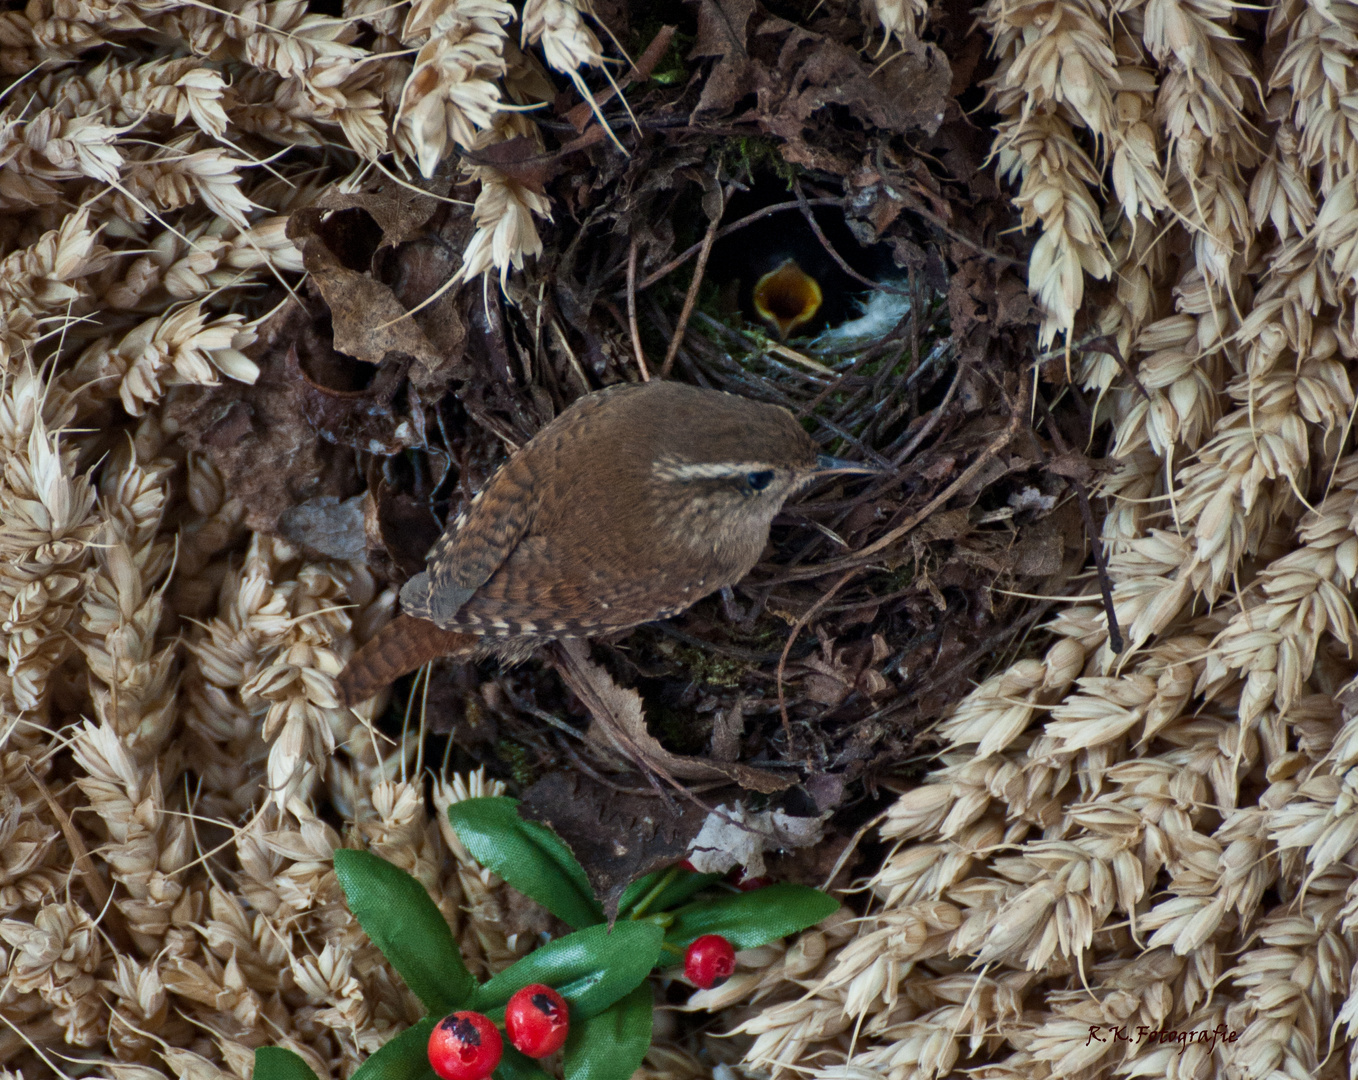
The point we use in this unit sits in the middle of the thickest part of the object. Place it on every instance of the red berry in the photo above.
(709, 961)
(465, 1046)
(748, 883)
(686, 865)
(537, 1020)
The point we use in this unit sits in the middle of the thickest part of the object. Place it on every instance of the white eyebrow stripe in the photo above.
(669, 469)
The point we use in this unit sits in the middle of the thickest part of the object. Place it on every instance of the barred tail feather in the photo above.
(398, 648)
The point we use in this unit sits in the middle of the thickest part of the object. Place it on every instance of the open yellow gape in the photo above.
(787, 297)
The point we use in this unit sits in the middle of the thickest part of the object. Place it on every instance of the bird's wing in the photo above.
(544, 588)
(474, 546)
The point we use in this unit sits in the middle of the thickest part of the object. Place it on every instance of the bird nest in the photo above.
(282, 287)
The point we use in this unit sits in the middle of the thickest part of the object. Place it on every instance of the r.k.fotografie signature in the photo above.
(1149, 1036)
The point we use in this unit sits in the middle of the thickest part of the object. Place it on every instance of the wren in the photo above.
(634, 503)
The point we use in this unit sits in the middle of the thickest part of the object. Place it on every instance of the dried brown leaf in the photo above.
(620, 719)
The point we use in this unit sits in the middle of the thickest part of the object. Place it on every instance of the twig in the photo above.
(799, 358)
(735, 226)
(581, 114)
(632, 310)
(1005, 260)
(691, 298)
(999, 443)
(1108, 344)
(797, 628)
(599, 778)
(921, 688)
(543, 715)
(864, 357)
(112, 919)
(805, 206)
(1115, 641)
(929, 425)
(851, 847)
(990, 253)
(865, 555)
(747, 339)
(80, 855)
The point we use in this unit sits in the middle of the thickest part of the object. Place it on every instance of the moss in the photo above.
(704, 666)
(713, 668)
(750, 156)
(516, 757)
(768, 634)
(474, 714)
(902, 576)
(671, 69)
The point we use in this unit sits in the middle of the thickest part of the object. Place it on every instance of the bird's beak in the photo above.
(787, 297)
(827, 464)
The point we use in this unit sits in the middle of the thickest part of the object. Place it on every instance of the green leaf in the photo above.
(684, 885)
(753, 918)
(396, 912)
(610, 1046)
(275, 1063)
(529, 856)
(517, 1066)
(405, 1057)
(591, 968)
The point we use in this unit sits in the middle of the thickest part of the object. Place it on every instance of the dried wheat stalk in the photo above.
(140, 755)
(1161, 840)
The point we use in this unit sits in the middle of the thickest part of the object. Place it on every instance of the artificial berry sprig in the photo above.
(709, 961)
(465, 1046)
(537, 1021)
(606, 965)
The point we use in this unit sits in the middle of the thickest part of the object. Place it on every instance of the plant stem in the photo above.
(639, 908)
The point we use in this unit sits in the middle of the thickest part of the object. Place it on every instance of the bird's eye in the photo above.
(758, 481)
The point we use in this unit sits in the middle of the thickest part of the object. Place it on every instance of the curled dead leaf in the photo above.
(620, 721)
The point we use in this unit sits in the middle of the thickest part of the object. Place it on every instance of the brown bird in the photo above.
(634, 503)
